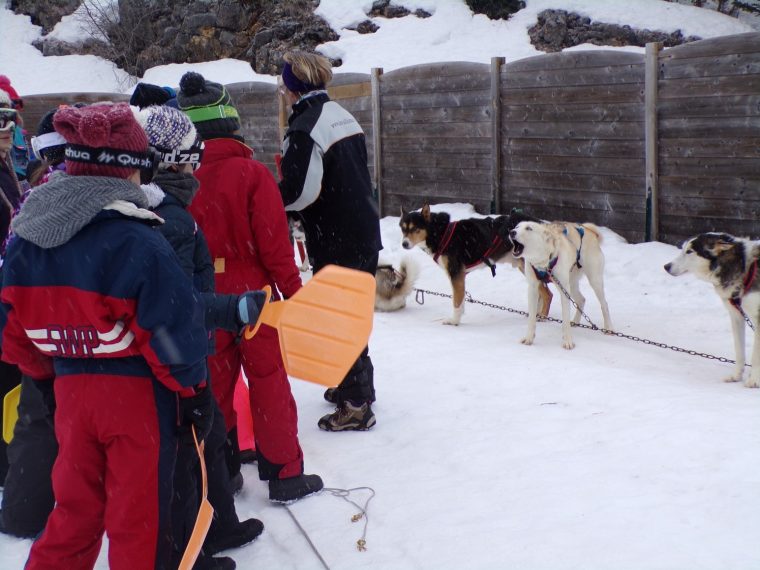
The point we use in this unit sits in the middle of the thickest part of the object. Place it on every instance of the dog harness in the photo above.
(446, 239)
(545, 276)
(736, 300)
(581, 231)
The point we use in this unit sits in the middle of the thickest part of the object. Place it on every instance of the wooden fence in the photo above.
(656, 146)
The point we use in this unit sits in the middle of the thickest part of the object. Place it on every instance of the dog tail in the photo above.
(409, 271)
(593, 228)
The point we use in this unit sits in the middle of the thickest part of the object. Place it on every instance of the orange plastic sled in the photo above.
(203, 521)
(10, 412)
(324, 327)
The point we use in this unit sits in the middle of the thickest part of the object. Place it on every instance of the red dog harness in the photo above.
(446, 240)
(736, 300)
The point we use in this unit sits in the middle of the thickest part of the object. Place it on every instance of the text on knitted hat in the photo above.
(172, 134)
(101, 126)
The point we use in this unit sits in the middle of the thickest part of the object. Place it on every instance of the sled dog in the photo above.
(730, 264)
(561, 252)
(392, 286)
(463, 246)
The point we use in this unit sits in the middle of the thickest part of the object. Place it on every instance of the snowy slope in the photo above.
(451, 34)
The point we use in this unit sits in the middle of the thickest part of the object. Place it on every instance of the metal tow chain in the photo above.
(746, 318)
(420, 298)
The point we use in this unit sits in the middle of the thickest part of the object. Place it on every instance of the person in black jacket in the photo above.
(169, 194)
(325, 178)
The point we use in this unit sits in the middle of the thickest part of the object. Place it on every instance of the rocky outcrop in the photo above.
(45, 13)
(147, 33)
(384, 9)
(558, 29)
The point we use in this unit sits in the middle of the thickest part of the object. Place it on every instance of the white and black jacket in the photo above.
(325, 178)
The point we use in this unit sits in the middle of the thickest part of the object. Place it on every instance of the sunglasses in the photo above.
(18, 104)
(7, 118)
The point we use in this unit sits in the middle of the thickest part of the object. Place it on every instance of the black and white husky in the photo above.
(393, 286)
(730, 264)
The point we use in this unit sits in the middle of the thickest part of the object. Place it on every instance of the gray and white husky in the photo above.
(393, 286)
(730, 264)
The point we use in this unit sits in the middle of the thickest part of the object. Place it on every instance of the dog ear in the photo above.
(426, 212)
(723, 245)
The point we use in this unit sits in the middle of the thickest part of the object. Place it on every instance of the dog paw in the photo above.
(452, 322)
(733, 378)
(753, 382)
(568, 344)
(528, 340)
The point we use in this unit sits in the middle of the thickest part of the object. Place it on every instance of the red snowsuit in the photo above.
(240, 211)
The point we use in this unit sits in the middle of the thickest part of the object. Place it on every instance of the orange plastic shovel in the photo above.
(203, 521)
(325, 326)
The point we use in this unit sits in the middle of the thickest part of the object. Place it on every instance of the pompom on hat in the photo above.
(98, 130)
(209, 106)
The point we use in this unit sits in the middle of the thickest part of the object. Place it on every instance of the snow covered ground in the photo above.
(491, 454)
(452, 33)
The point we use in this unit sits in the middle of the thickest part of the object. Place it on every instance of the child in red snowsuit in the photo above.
(93, 295)
(240, 211)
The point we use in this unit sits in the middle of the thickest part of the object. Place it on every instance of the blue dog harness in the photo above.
(581, 231)
(545, 276)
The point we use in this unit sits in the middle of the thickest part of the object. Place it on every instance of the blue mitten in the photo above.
(249, 307)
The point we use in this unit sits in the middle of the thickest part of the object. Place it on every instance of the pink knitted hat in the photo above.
(101, 129)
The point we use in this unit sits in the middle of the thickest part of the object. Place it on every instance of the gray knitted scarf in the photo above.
(182, 186)
(54, 212)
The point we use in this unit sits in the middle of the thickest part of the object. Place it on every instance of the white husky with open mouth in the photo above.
(561, 252)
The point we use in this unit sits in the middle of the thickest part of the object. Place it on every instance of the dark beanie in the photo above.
(52, 153)
(208, 105)
(146, 95)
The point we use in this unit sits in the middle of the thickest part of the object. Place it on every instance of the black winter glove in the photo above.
(197, 411)
(249, 307)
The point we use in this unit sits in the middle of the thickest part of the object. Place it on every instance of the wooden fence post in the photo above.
(651, 76)
(377, 139)
(282, 110)
(496, 63)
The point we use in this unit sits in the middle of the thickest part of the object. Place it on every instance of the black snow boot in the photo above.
(233, 536)
(206, 562)
(294, 488)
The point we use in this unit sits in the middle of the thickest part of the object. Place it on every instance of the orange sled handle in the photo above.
(203, 520)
